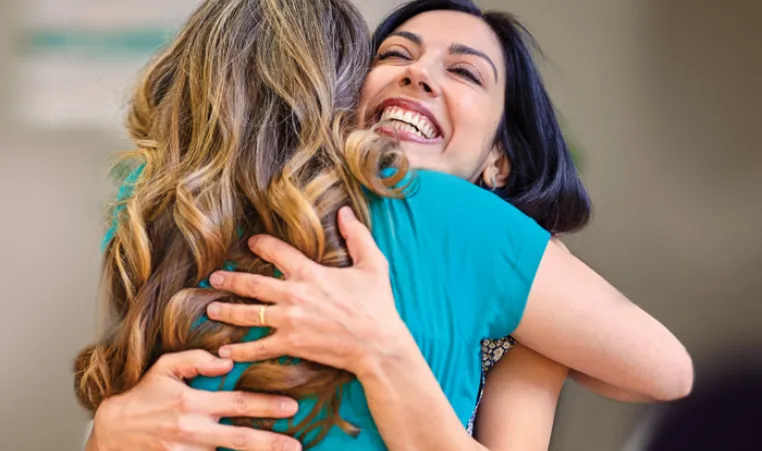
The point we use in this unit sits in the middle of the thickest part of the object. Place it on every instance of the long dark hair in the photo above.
(544, 182)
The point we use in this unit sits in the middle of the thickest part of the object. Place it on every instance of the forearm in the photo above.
(576, 318)
(91, 442)
(90, 445)
(607, 390)
(409, 408)
(634, 355)
(641, 340)
(639, 358)
(519, 403)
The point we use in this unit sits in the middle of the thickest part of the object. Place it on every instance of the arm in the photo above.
(552, 302)
(318, 315)
(519, 402)
(609, 391)
(390, 382)
(91, 441)
(576, 318)
(516, 413)
(332, 316)
(597, 386)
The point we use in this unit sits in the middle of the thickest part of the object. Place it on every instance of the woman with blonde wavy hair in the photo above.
(244, 126)
(238, 134)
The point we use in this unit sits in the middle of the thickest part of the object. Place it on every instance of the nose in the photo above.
(417, 77)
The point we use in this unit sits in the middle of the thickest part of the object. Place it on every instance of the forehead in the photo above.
(444, 28)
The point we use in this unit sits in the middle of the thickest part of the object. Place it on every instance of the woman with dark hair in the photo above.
(534, 169)
(454, 108)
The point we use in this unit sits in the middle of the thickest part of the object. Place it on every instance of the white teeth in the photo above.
(397, 125)
(426, 129)
(410, 121)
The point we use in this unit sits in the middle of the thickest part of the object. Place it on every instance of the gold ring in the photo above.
(261, 315)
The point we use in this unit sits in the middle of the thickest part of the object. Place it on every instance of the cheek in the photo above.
(480, 118)
(474, 124)
(468, 115)
(374, 84)
(365, 92)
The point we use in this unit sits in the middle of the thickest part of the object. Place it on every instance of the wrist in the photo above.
(103, 415)
(394, 348)
(92, 442)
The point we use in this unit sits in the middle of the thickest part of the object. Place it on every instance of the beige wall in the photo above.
(663, 97)
(660, 95)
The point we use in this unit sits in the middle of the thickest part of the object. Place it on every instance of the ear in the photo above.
(498, 168)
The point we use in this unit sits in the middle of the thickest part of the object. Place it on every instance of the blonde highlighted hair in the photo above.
(243, 125)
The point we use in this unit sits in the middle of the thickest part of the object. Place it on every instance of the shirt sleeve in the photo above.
(491, 251)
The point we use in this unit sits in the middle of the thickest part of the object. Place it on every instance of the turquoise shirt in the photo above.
(462, 262)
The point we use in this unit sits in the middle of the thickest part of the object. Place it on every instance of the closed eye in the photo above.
(466, 73)
(392, 54)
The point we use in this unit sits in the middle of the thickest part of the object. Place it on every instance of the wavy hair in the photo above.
(243, 125)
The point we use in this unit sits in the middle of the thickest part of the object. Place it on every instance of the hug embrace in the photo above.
(332, 240)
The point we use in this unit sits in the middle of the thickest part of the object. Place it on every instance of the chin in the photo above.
(421, 157)
(425, 162)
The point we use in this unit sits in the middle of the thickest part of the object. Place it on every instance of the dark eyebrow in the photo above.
(408, 35)
(460, 49)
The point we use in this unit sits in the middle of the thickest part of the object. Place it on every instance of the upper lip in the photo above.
(410, 105)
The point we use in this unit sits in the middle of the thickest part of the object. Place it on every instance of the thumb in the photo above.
(360, 244)
(189, 364)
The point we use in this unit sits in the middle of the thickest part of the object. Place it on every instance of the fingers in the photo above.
(360, 243)
(240, 404)
(199, 430)
(255, 286)
(189, 364)
(246, 315)
(285, 257)
(248, 439)
(266, 348)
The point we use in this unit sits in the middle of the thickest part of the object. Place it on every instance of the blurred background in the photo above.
(662, 99)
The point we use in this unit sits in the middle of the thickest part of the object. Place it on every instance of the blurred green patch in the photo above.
(100, 43)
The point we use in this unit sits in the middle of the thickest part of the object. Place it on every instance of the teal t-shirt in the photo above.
(462, 262)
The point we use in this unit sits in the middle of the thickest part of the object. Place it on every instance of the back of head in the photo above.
(242, 126)
(544, 182)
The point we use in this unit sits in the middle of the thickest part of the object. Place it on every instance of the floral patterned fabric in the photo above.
(492, 352)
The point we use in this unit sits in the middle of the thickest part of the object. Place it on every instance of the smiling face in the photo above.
(438, 84)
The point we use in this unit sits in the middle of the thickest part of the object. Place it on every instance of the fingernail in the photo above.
(346, 213)
(289, 406)
(288, 445)
(224, 353)
(226, 363)
(216, 279)
(253, 240)
(213, 310)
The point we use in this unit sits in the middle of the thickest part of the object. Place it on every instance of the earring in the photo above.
(491, 185)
